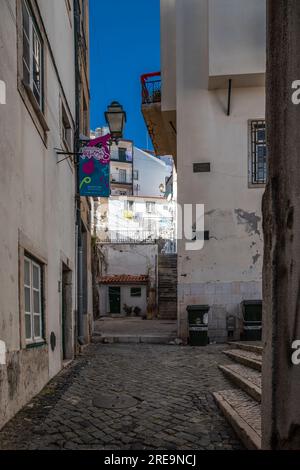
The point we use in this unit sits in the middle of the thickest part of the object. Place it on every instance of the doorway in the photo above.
(114, 295)
(66, 313)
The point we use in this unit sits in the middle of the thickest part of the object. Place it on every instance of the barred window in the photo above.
(258, 155)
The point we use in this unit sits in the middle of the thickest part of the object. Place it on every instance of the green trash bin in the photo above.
(252, 320)
(198, 324)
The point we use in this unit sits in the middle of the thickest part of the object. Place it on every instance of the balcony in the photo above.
(151, 88)
(117, 178)
(161, 124)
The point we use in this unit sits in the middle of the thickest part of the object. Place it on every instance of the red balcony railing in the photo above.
(151, 88)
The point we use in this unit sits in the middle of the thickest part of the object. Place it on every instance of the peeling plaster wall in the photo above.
(25, 374)
(228, 269)
(37, 204)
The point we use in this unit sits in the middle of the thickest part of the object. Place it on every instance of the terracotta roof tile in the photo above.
(123, 279)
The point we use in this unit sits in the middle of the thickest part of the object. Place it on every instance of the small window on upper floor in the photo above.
(122, 154)
(85, 116)
(66, 129)
(136, 175)
(32, 55)
(150, 207)
(129, 206)
(258, 153)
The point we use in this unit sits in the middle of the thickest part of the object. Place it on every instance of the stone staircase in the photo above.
(167, 287)
(241, 405)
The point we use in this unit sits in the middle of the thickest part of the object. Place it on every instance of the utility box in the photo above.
(198, 324)
(252, 320)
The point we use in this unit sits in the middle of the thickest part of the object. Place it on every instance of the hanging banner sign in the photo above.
(94, 169)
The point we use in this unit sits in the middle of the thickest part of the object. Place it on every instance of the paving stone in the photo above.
(172, 385)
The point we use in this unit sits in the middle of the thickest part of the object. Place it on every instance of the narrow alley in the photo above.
(150, 230)
(128, 397)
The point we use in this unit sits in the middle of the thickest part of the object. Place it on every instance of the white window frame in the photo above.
(33, 33)
(33, 264)
(150, 207)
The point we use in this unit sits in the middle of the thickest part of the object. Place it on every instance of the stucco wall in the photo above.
(36, 204)
(228, 269)
(129, 259)
(168, 54)
(237, 37)
(147, 165)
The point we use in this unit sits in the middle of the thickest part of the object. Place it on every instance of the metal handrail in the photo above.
(151, 88)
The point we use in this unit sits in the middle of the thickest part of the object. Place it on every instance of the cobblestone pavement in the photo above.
(173, 408)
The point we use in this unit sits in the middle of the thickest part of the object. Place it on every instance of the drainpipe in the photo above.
(79, 247)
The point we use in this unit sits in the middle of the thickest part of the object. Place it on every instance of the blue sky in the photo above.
(125, 43)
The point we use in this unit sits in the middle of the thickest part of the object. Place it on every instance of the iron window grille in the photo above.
(258, 154)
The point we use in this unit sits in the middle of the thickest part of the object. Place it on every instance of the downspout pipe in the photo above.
(79, 246)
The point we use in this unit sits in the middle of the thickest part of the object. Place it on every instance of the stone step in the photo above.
(244, 415)
(134, 339)
(248, 346)
(167, 316)
(247, 379)
(247, 358)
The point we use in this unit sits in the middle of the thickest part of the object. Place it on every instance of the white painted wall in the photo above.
(228, 269)
(237, 37)
(152, 173)
(36, 203)
(127, 259)
(168, 54)
(126, 299)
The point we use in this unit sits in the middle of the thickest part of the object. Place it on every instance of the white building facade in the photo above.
(149, 174)
(212, 111)
(37, 209)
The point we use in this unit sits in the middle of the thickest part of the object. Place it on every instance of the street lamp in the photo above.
(162, 188)
(116, 118)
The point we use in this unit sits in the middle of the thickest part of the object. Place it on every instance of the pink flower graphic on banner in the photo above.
(89, 167)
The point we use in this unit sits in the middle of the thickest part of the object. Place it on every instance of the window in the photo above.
(136, 292)
(122, 176)
(122, 154)
(33, 301)
(32, 55)
(135, 175)
(258, 153)
(114, 153)
(66, 129)
(85, 114)
(150, 226)
(150, 207)
(129, 206)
